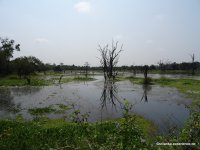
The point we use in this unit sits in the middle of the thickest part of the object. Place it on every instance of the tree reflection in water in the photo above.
(22, 91)
(6, 99)
(146, 88)
(7, 95)
(110, 95)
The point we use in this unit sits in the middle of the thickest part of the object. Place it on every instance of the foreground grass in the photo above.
(125, 133)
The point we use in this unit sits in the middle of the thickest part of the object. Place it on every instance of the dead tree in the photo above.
(109, 59)
(193, 64)
(104, 60)
(113, 58)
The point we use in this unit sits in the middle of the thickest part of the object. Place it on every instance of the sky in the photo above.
(69, 31)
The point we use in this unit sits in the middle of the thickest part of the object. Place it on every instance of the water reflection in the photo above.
(109, 95)
(146, 88)
(6, 99)
(19, 91)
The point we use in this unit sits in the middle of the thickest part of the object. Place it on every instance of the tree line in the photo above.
(26, 65)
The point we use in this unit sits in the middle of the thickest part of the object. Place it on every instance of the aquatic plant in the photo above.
(41, 111)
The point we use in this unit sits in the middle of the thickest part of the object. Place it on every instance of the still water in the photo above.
(166, 107)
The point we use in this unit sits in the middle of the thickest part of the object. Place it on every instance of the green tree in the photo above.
(7, 48)
(27, 65)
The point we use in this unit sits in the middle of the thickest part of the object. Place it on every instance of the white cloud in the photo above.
(41, 40)
(117, 37)
(83, 7)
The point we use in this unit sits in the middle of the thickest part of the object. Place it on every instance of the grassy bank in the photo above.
(127, 133)
(190, 87)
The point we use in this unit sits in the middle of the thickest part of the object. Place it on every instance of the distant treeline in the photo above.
(24, 66)
(185, 66)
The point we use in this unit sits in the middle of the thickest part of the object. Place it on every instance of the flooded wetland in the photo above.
(166, 107)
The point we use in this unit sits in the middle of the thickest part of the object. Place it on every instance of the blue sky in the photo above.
(69, 31)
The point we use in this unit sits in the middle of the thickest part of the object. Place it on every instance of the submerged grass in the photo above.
(136, 80)
(41, 111)
(81, 78)
(61, 108)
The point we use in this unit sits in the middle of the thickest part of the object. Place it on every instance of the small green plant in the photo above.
(77, 117)
(41, 111)
(191, 131)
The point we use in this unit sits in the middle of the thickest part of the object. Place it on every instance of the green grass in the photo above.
(136, 80)
(66, 80)
(76, 78)
(41, 111)
(39, 80)
(127, 133)
(148, 128)
(58, 108)
(190, 87)
(58, 134)
(188, 72)
(81, 78)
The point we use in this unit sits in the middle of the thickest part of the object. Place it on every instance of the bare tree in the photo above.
(104, 60)
(109, 59)
(113, 58)
(193, 63)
